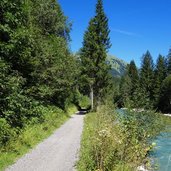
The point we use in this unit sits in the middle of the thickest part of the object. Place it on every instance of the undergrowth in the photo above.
(114, 143)
(33, 133)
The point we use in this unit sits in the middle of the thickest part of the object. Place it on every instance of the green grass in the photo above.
(109, 145)
(100, 144)
(33, 134)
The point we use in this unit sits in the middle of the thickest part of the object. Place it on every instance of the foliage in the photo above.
(16, 108)
(144, 88)
(5, 132)
(160, 74)
(169, 62)
(99, 142)
(136, 129)
(31, 135)
(93, 54)
(165, 100)
(112, 141)
(147, 76)
(36, 66)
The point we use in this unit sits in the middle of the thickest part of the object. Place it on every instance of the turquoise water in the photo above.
(161, 155)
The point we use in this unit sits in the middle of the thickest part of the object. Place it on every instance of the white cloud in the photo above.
(126, 32)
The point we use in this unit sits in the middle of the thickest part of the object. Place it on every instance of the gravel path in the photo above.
(57, 153)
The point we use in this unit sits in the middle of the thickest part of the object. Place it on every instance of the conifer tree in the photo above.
(147, 76)
(125, 91)
(165, 99)
(159, 75)
(134, 76)
(169, 62)
(94, 52)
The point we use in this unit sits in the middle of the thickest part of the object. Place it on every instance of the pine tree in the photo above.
(94, 52)
(125, 91)
(169, 62)
(159, 75)
(165, 99)
(147, 76)
(134, 76)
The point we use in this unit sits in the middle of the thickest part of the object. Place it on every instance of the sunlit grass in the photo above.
(33, 134)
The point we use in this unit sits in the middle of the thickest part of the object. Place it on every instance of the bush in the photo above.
(112, 141)
(80, 100)
(5, 131)
(101, 142)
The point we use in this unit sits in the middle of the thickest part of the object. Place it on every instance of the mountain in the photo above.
(118, 66)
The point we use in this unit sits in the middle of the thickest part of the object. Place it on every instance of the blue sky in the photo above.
(136, 25)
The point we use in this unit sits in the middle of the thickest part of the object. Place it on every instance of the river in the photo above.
(161, 154)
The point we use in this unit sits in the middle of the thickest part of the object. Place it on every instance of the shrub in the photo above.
(112, 141)
(5, 131)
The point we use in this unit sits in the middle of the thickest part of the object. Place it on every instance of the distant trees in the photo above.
(165, 99)
(169, 62)
(150, 86)
(160, 74)
(147, 76)
(93, 55)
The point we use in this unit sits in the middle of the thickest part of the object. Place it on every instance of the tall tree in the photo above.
(134, 76)
(16, 35)
(165, 99)
(159, 75)
(169, 62)
(94, 52)
(125, 91)
(147, 76)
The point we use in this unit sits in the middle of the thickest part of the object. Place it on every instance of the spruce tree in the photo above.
(93, 54)
(165, 99)
(169, 62)
(134, 76)
(159, 75)
(147, 77)
(125, 91)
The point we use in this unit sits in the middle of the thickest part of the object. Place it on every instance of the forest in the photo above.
(147, 87)
(40, 74)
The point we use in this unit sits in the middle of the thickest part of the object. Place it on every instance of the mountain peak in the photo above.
(118, 65)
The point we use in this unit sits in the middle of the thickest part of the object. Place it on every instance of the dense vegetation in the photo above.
(147, 87)
(40, 78)
(115, 141)
(32, 134)
(38, 73)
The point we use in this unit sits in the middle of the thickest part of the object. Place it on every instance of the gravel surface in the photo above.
(59, 152)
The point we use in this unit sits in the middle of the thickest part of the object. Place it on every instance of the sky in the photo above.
(135, 26)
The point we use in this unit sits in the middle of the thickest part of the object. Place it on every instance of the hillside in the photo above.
(118, 66)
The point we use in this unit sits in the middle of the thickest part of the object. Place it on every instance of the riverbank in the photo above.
(115, 142)
(119, 139)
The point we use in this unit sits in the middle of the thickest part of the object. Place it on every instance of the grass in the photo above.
(33, 134)
(100, 144)
(109, 144)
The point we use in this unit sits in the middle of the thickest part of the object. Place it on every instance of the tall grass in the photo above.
(114, 143)
(32, 134)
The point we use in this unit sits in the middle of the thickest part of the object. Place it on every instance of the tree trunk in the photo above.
(92, 97)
